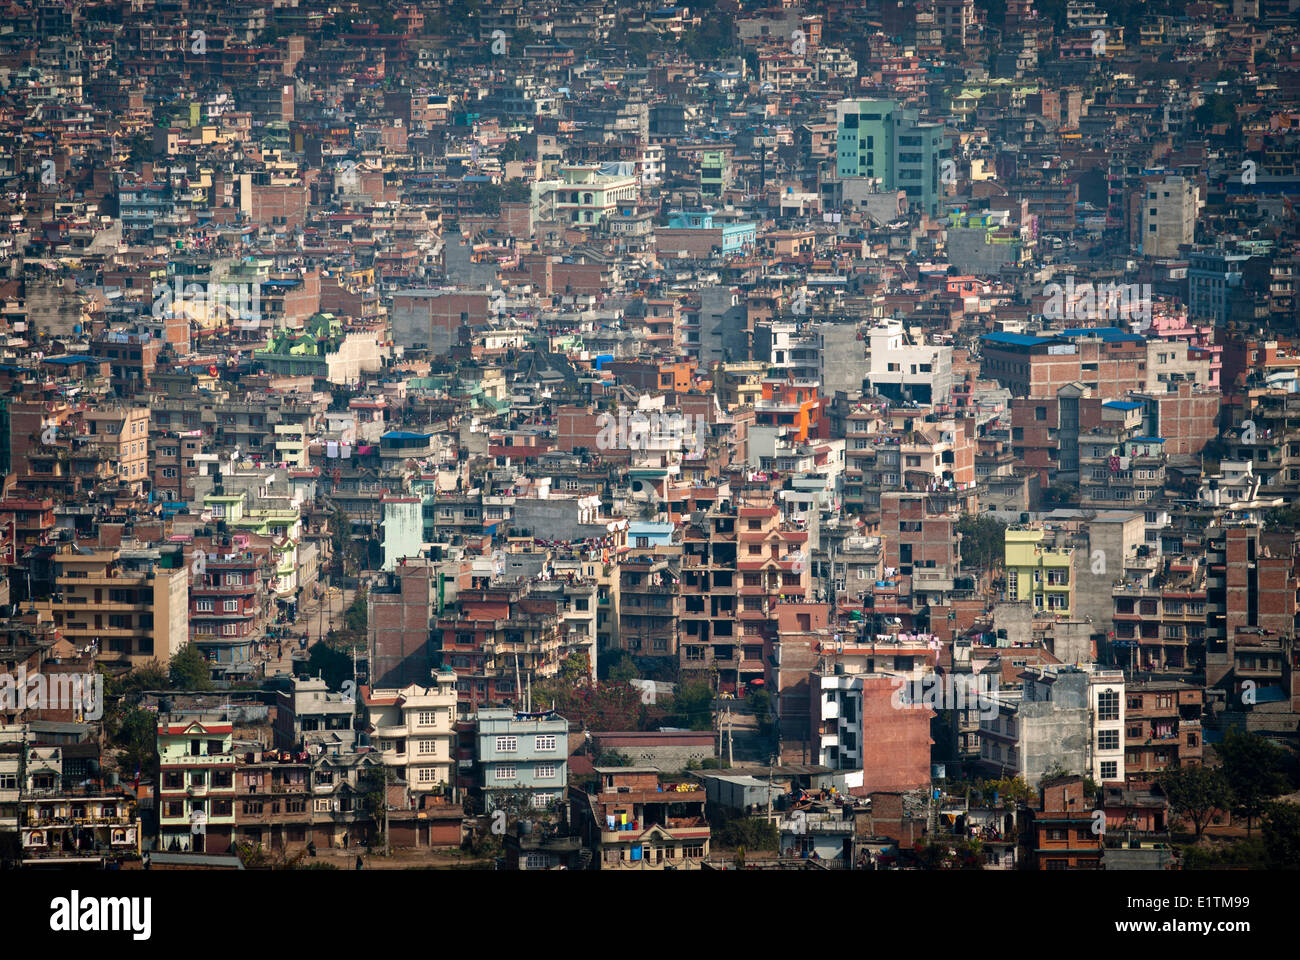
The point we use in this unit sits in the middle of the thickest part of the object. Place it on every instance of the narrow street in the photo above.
(316, 616)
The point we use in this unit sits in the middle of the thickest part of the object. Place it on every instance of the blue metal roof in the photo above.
(1014, 339)
(1122, 404)
(70, 359)
(1147, 440)
(405, 435)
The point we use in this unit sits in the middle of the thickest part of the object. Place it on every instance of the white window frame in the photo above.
(544, 742)
(507, 744)
(505, 771)
(545, 771)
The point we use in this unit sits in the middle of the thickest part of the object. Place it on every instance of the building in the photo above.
(883, 140)
(860, 727)
(901, 369)
(132, 605)
(196, 784)
(635, 822)
(1038, 571)
(1166, 216)
(522, 758)
(412, 728)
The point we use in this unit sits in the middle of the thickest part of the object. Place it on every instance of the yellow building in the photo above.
(1037, 573)
(132, 605)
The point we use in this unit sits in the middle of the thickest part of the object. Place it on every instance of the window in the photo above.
(427, 718)
(1107, 739)
(232, 606)
(427, 747)
(505, 771)
(545, 771)
(507, 745)
(544, 743)
(1110, 770)
(1108, 705)
(427, 775)
(203, 606)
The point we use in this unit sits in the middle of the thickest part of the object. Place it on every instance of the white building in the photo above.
(900, 368)
(412, 728)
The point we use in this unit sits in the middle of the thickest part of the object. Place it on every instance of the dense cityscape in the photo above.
(853, 435)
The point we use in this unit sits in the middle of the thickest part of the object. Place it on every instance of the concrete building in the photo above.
(900, 368)
(412, 727)
(881, 139)
(522, 756)
(196, 784)
(308, 715)
(401, 611)
(858, 727)
(1166, 216)
(131, 605)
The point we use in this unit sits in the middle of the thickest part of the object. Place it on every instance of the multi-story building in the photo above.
(496, 640)
(1162, 729)
(900, 369)
(1055, 722)
(586, 195)
(227, 609)
(130, 604)
(413, 730)
(77, 827)
(308, 715)
(1166, 216)
(863, 726)
(196, 783)
(634, 822)
(882, 139)
(1038, 570)
(273, 794)
(522, 756)
(1061, 835)
(1160, 618)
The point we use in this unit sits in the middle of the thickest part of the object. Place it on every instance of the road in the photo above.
(316, 616)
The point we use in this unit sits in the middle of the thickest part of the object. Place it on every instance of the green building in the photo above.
(880, 139)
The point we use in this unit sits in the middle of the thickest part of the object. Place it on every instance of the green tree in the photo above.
(189, 670)
(1195, 793)
(147, 676)
(982, 541)
(334, 666)
(1281, 834)
(1256, 770)
(134, 732)
(357, 617)
(511, 150)
(692, 706)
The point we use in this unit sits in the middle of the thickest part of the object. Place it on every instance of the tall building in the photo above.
(1166, 216)
(196, 784)
(131, 604)
(881, 139)
(413, 730)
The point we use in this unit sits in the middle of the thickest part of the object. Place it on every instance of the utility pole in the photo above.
(770, 765)
(731, 762)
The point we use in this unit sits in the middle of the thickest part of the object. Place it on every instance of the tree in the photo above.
(357, 616)
(135, 733)
(1281, 830)
(1195, 793)
(189, 669)
(147, 676)
(982, 541)
(692, 707)
(333, 666)
(512, 149)
(1255, 768)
